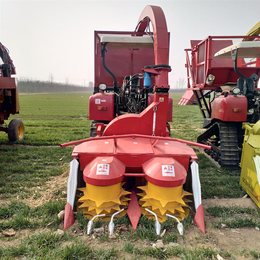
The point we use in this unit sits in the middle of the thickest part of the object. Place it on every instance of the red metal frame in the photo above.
(8, 89)
(156, 138)
(121, 62)
(200, 62)
(9, 84)
(134, 150)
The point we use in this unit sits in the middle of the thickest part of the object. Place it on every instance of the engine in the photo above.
(133, 96)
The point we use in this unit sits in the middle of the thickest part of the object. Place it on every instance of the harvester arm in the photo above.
(155, 15)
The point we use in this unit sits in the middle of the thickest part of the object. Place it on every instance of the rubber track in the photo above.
(228, 145)
(228, 148)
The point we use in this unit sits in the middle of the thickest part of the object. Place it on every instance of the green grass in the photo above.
(18, 215)
(180, 252)
(47, 245)
(186, 121)
(226, 212)
(52, 119)
(217, 182)
(26, 167)
(235, 217)
(255, 254)
(146, 230)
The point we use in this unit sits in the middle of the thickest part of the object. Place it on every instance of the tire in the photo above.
(16, 130)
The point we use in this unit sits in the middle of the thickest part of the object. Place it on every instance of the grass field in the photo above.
(28, 166)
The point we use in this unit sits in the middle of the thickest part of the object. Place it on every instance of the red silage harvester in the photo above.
(9, 102)
(223, 74)
(130, 164)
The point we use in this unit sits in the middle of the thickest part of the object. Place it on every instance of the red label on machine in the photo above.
(168, 170)
(102, 169)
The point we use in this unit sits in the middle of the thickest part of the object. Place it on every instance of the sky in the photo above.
(54, 40)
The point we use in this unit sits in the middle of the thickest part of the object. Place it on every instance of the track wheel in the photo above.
(16, 130)
(103, 200)
(229, 145)
(162, 200)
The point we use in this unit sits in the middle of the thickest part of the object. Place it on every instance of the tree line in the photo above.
(36, 86)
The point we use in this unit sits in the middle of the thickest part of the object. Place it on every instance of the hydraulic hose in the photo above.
(106, 68)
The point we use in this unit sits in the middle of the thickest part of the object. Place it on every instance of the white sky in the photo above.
(57, 37)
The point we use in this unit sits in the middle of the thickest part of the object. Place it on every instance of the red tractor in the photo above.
(9, 102)
(130, 164)
(223, 77)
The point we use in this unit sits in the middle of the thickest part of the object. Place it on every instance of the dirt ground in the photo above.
(234, 241)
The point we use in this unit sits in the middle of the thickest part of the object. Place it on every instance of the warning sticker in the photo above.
(102, 169)
(161, 99)
(168, 170)
(97, 101)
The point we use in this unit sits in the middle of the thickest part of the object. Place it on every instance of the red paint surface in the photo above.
(133, 151)
(68, 216)
(101, 107)
(104, 171)
(199, 219)
(153, 172)
(200, 62)
(222, 108)
(134, 211)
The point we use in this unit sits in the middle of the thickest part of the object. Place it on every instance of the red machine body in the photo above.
(229, 108)
(140, 147)
(133, 148)
(212, 74)
(169, 110)
(9, 101)
(8, 90)
(101, 107)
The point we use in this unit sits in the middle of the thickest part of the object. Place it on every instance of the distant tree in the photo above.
(180, 83)
(90, 84)
(51, 78)
(32, 86)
